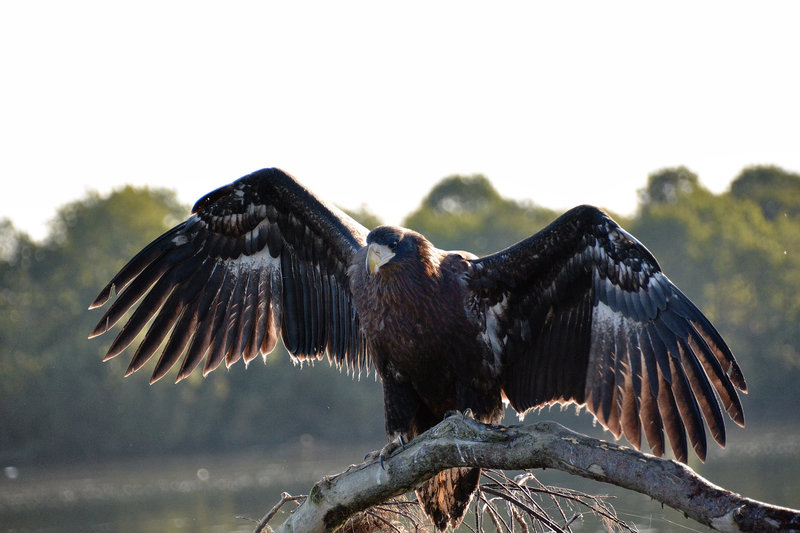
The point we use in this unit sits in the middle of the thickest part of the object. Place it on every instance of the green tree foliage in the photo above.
(669, 186)
(47, 377)
(467, 212)
(776, 191)
(365, 217)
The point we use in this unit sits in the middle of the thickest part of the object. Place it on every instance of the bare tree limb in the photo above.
(459, 441)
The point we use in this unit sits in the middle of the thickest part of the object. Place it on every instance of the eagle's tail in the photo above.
(446, 496)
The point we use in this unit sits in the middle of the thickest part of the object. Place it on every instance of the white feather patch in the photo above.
(491, 332)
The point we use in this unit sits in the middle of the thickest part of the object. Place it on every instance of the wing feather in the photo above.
(186, 325)
(233, 329)
(686, 401)
(138, 287)
(649, 415)
(621, 374)
(291, 331)
(258, 259)
(161, 325)
(199, 345)
(307, 299)
(152, 302)
(257, 309)
(320, 308)
(143, 259)
(269, 318)
(673, 425)
(178, 340)
(586, 316)
(698, 380)
(704, 392)
(649, 358)
(630, 393)
(217, 340)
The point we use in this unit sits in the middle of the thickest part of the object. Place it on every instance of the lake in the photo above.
(211, 493)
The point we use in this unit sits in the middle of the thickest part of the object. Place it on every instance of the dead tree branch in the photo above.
(459, 441)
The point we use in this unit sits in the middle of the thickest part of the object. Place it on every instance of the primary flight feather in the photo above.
(578, 313)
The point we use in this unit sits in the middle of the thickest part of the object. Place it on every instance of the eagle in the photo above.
(578, 313)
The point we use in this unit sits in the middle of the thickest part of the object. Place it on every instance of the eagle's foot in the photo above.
(397, 442)
(454, 412)
(467, 419)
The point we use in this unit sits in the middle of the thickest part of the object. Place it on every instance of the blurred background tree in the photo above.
(736, 254)
(467, 213)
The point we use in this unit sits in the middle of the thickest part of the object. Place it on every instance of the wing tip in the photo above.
(737, 377)
(700, 447)
(116, 348)
(100, 328)
(737, 415)
(159, 372)
(136, 363)
(103, 297)
(209, 369)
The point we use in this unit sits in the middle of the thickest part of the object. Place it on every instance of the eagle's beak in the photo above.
(377, 256)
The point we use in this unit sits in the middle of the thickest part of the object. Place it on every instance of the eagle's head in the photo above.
(391, 249)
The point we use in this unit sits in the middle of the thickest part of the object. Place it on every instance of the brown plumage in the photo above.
(578, 313)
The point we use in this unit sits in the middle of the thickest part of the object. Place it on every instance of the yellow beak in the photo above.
(377, 256)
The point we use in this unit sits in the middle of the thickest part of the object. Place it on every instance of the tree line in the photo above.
(736, 254)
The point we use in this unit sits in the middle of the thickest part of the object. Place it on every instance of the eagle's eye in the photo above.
(393, 244)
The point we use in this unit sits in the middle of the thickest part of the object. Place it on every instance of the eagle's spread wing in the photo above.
(582, 313)
(258, 258)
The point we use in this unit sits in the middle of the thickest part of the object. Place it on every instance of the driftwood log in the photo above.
(460, 441)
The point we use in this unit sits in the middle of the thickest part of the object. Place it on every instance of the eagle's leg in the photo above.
(401, 405)
(480, 399)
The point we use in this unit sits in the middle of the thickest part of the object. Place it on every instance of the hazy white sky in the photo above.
(371, 102)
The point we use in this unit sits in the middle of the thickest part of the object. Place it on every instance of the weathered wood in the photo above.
(459, 441)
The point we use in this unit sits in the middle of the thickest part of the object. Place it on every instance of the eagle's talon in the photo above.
(384, 453)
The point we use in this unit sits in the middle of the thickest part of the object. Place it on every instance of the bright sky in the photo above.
(372, 103)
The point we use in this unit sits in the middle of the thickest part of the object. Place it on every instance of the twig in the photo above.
(497, 520)
(263, 524)
(506, 488)
(530, 510)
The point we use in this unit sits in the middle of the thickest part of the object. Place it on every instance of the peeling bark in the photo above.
(459, 441)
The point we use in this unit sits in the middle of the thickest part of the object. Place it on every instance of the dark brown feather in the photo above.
(446, 496)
